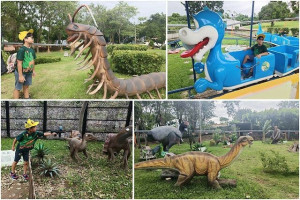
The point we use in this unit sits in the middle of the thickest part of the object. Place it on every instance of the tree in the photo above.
(155, 27)
(122, 13)
(197, 6)
(231, 107)
(295, 7)
(224, 120)
(274, 10)
(288, 104)
(266, 128)
(176, 18)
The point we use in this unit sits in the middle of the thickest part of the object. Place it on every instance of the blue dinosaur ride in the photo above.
(224, 71)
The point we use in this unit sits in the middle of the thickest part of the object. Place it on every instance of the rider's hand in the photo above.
(258, 56)
(13, 148)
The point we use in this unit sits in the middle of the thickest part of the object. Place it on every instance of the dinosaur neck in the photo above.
(228, 158)
(216, 54)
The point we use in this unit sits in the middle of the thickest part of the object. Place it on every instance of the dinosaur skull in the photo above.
(198, 42)
(245, 140)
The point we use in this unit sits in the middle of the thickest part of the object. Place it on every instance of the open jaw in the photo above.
(198, 42)
(73, 37)
(198, 47)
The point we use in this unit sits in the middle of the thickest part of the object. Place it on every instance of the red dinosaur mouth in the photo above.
(196, 49)
(72, 38)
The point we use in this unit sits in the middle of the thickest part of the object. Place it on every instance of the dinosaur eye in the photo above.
(75, 26)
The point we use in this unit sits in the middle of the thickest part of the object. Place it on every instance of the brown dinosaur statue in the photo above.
(79, 145)
(119, 142)
(198, 163)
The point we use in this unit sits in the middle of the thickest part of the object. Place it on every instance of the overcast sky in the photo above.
(243, 7)
(145, 8)
(221, 111)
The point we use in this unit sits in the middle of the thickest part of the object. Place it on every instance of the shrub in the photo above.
(285, 31)
(5, 56)
(274, 163)
(131, 47)
(236, 28)
(270, 30)
(137, 62)
(163, 47)
(233, 137)
(40, 152)
(295, 31)
(49, 168)
(43, 60)
(276, 30)
(151, 44)
(197, 146)
(212, 142)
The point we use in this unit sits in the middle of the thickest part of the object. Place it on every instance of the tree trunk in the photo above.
(119, 36)
(49, 40)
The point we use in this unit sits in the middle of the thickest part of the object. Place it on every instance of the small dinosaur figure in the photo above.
(79, 145)
(119, 142)
(198, 163)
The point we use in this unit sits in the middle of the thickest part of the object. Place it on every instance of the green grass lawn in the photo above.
(61, 80)
(279, 24)
(246, 169)
(94, 177)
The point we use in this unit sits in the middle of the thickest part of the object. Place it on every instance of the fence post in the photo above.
(31, 184)
(45, 117)
(129, 113)
(83, 118)
(7, 119)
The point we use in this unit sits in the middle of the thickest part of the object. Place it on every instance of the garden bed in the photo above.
(93, 177)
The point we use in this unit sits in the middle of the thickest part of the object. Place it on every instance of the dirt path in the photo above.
(13, 189)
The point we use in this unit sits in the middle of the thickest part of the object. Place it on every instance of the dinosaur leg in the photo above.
(202, 84)
(125, 159)
(172, 139)
(212, 180)
(112, 156)
(76, 155)
(85, 153)
(183, 179)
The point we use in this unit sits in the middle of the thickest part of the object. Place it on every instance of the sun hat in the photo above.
(23, 34)
(260, 35)
(30, 123)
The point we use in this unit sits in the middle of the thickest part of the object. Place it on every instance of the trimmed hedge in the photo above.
(137, 62)
(295, 31)
(46, 60)
(131, 47)
(270, 30)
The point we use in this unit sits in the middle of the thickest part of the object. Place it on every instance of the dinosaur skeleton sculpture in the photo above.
(102, 74)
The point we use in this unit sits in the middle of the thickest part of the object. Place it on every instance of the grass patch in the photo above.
(61, 80)
(247, 170)
(277, 24)
(94, 177)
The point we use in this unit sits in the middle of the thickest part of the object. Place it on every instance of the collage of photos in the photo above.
(150, 99)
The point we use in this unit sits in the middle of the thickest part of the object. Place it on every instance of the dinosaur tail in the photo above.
(157, 163)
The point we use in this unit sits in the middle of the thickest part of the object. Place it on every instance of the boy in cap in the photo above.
(26, 141)
(25, 65)
(258, 50)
